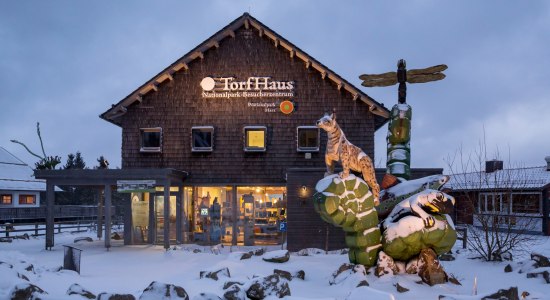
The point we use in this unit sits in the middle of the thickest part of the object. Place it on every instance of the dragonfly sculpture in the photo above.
(402, 76)
(399, 128)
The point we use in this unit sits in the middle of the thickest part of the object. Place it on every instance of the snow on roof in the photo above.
(17, 175)
(518, 178)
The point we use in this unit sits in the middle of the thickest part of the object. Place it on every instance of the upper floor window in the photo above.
(151, 139)
(6, 199)
(255, 138)
(202, 138)
(27, 199)
(307, 138)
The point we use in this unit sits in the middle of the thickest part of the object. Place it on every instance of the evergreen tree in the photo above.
(70, 162)
(79, 161)
(76, 195)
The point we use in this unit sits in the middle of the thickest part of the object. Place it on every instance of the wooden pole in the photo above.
(166, 216)
(235, 214)
(99, 197)
(50, 198)
(128, 225)
(151, 235)
(108, 216)
(179, 212)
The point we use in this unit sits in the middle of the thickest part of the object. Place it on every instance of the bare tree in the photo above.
(45, 162)
(499, 207)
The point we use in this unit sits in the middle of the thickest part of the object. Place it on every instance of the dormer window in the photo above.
(255, 138)
(307, 138)
(151, 139)
(202, 139)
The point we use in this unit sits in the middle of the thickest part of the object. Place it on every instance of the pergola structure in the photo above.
(105, 179)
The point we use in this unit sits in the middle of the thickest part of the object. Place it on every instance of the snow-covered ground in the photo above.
(130, 269)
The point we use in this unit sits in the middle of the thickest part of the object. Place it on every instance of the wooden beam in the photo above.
(261, 32)
(340, 85)
(50, 215)
(180, 66)
(276, 41)
(323, 75)
(128, 231)
(108, 224)
(198, 54)
(164, 77)
(231, 33)
(246, 24)
(179, 217)
(151, 233)
(139, 98)
(308, 64)
(292, 52)
(355, 97)
(166, 203)
(148, 88)
(99, 228)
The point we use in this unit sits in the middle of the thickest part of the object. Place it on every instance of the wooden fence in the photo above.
(39, 228)
(66, 212)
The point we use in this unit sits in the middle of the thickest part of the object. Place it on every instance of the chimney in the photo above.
(547, 163)
(493, 165)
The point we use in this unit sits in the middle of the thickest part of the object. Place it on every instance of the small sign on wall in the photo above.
(135, 186)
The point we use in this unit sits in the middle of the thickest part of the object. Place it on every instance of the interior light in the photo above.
(257, 190)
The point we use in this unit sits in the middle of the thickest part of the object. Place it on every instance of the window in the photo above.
(526, 203)
(151, 139)
(494, 203)
(202, 138)
(6, 199)
(27, 199)
(308, 138)
(255, 138)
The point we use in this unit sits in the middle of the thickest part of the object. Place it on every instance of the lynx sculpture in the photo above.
(351, 156)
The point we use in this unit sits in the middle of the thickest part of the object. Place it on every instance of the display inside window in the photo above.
(308, 139)
(202, 138)
(151, 139)
(6, 199)
(255, 138)
(27, 199)
(261, 210)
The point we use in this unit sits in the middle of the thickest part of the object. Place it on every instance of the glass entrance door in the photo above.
(140, 218)
(261, 209)
(159, 217)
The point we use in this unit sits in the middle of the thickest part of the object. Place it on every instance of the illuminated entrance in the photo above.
(243, 215)
(247, 215)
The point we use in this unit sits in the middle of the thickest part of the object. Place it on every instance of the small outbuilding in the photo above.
(509, 198)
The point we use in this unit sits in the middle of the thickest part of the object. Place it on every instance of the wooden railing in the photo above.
(10, 230)
(12, 214)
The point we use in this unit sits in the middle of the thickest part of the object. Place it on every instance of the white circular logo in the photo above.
(208, 83)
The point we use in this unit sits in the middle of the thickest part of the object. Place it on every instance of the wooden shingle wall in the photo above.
(177, 105)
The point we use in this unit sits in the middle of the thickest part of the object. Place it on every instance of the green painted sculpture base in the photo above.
(349, 204)
(407, 237)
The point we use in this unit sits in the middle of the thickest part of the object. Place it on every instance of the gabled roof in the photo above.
(16, 175)
(507, 179)
(112, 115)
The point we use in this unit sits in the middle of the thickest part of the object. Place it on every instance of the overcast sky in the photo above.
(62, 63)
